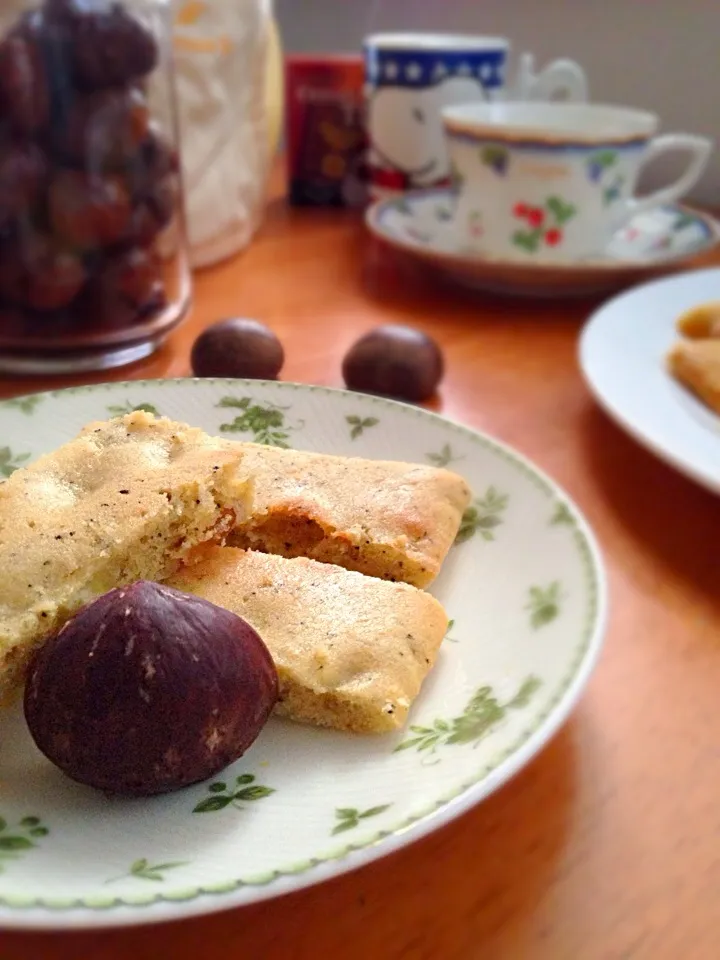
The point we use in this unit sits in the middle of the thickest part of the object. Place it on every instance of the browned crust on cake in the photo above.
(386, 519)
(351, 651)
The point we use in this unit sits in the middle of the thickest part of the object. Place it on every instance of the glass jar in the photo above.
(93, 255)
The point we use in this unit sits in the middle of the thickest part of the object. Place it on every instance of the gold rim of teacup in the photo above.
(499, 126)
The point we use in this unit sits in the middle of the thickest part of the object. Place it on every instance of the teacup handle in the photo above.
(699, 148)
(559, 77)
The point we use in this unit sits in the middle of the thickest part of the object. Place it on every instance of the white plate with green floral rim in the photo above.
(420, 224)
(526, 592)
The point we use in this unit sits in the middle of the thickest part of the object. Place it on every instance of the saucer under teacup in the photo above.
(652, 243)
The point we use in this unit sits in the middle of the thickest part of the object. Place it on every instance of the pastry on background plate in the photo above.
(351, 651)
(701, 321)
(126, 500)
(387, 519)
(696, 364)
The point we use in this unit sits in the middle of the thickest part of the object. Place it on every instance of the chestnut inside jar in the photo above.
(88, 178)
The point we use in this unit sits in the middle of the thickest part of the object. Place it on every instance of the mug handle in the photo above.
(560, 76)
(699, 149)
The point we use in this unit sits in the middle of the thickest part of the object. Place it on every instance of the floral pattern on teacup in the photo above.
(599, 162)
(542, 225)
(495, 157)
(613, 192)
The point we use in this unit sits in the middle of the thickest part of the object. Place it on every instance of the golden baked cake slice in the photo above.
(351, 651)
(696, 364)
(387, 519)
(126, 500)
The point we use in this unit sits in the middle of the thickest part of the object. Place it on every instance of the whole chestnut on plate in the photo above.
(148, 689)
(238, 348)
(394, 361)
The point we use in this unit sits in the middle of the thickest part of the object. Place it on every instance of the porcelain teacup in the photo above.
(555, 181)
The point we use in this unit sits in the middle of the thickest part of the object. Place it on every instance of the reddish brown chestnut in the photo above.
(24, 88)
(54, 280)
(148, 689)
(23, 169)
(103, 130)
(35, 272)
(238, 348)
(110, 46)
(394, 361)
(133, 274)
(89, 211)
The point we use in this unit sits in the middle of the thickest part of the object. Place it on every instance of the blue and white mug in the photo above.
(411, 77)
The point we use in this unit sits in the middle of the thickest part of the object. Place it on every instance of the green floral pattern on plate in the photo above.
(348, 817)
(544, 604)
(359, 424)
(16, 841)
(143, 870)
(243, 791)
(266, 422)
(482, 712)
(444, 458)
(562, 515)
(27, 404)
(120, 409)
(10, 462)
(682, 221)
(484, 515)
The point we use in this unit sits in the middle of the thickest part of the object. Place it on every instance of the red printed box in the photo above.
(326, 140)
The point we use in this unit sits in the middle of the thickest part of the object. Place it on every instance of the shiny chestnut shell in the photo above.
(394, 361)
(238, 347)
(148, 689)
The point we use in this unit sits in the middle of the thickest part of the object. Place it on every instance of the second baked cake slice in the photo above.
(351, 651)
(384, 518)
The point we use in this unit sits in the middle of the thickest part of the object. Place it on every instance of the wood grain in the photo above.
(606, 847)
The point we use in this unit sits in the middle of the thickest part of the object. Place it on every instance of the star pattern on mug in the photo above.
(419, 69)
(391, 70)
(486, 72)
(413, 71)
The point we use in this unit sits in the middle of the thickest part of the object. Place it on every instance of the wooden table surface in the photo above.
(608, 844)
